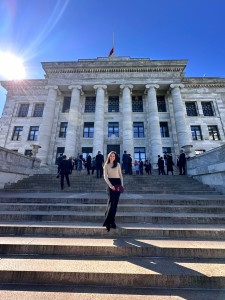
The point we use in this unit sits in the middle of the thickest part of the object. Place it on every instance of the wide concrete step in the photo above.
(122, 217)
(139, 272)
(209, 209)
(123, 247)
(59, 292)
(101, 198)
(137, 230)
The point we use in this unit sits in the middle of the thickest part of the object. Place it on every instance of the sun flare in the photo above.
(11, 66)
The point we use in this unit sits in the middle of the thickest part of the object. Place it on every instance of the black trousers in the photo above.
(62, 179)
(111, 209)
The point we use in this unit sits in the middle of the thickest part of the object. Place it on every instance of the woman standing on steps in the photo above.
(113, 176)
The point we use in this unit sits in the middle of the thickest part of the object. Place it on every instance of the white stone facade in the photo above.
(148, 117)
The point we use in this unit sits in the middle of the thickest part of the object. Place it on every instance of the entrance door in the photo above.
(115, 148)
(60, 150)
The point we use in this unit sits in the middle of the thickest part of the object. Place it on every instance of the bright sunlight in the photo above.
(11, 66)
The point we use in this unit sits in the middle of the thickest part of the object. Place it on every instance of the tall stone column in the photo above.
(128, 140)
(180, 121)
(98, 143)
(153, 123)
(45, 130)
(73, 120)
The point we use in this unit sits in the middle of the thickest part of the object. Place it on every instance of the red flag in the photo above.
(111, 52)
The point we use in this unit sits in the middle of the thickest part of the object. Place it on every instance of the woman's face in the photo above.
(112, 157)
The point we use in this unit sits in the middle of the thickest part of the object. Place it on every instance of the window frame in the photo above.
(138, 106)
(113, 107)
(89, 133)
(161, 106)
(38, 112)
(63, 129)
(33, 133)
(91, 106)
(66, 104)
(140, 156)
(212, 133)
(140, 132)
(114, 125)
(23, 110)
(190, 110)
(194, 133)
(204, 111)
(17, 133)
(164, 130)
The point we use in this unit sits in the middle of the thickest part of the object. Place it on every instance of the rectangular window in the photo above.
(113, 104)
(90, 104)
(213, 133)
(137, 104)
(113, 129)
(88, 130)
(207, 108)
(166, 150)
(164, 130)
(33, 133)
(23, 110)
(139, 153)
(196, 133)
(17, 133)
(38, 110)
(86, 150)
(191, 109)
(138, 128)
(161, 104)
(66, 104)
(63, 129)
(28, 152)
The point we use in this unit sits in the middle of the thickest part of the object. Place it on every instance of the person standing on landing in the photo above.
(113, 176)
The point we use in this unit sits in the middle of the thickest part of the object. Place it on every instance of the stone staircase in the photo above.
(169, 242)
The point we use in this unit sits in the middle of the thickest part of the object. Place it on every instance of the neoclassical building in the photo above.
(146, 107)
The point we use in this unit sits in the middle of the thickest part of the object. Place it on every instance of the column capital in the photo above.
(53, 87)
(179, 85)
(129, 86)
(100, 86)
(77, 87)
(149, 86)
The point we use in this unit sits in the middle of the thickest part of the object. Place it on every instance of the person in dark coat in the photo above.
(88, 163)
(65, 168)
(99, 160)
(182, 163)
(161, 166)
(141, 167)
(125, 162)
(169, 164)
(148, 167)
(59, 159)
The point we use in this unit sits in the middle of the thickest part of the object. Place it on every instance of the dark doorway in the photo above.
(60, 150)
(115, 148)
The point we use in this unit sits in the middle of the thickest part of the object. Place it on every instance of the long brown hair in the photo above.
(108, 159)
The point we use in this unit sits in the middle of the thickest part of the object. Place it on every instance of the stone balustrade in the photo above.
(209, 168)
(15, 166)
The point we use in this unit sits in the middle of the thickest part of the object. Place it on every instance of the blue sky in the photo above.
(67, 30)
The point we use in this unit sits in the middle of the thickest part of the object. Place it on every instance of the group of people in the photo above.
(167, 161)
(113, 175)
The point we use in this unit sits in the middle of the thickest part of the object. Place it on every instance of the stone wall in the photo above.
(15, 166)
(209, 168)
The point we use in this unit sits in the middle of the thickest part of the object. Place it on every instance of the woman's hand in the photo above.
(113, 188)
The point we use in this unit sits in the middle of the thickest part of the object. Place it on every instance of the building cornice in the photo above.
(203, 82)
(115, 65)
(27, 84)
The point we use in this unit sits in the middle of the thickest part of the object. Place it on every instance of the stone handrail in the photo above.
(209, 168)
(15, 166)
